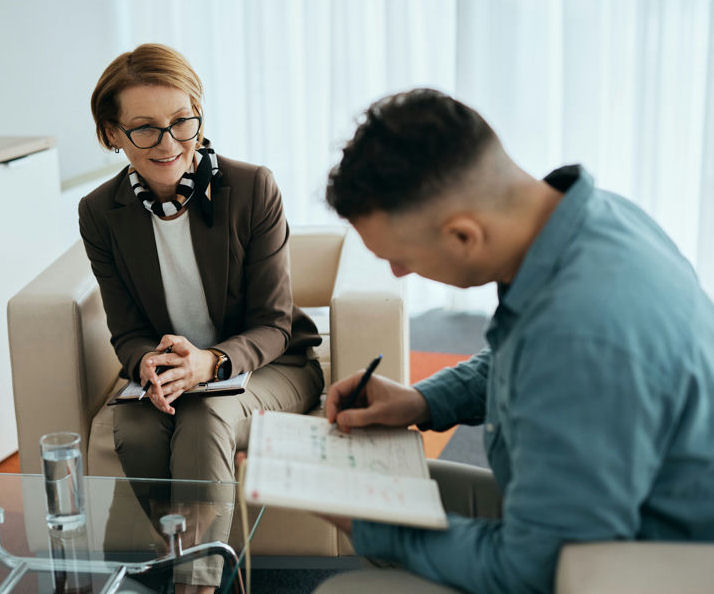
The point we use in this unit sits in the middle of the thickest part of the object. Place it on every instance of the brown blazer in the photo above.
(243, 262)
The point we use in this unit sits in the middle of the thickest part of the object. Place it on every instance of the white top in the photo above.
(183, 289)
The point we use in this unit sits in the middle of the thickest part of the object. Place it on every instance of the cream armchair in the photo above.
(58, 320)
(636, 568)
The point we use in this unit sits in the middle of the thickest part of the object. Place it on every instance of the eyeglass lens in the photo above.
(182, 130)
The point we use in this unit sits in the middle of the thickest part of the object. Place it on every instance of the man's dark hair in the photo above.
(409, 147)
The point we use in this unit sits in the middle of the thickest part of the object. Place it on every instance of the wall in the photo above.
(51, 55)
(38, 224)
(34, 229)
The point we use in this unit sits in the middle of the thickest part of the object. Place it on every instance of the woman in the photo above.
(190, 253)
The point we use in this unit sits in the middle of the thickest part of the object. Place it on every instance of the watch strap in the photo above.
(221, 361)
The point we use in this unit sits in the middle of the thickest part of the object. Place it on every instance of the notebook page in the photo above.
(392, 499)
(309, 439)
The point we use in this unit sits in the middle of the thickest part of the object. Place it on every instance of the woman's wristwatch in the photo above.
(222, 368)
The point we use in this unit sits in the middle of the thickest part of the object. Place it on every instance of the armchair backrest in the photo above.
(314, 260)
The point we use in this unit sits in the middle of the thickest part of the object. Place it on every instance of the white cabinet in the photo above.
(35, 228)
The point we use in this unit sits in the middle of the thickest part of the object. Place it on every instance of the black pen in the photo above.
(349, 403)
(159, 370)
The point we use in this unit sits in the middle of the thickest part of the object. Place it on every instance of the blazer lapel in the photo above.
(210, 244)
(134, 234)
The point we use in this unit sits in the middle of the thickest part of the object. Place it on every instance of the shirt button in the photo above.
(490, 427)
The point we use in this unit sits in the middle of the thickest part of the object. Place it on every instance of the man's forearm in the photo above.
(457, 394)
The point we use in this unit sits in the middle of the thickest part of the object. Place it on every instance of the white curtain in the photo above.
(625, 87)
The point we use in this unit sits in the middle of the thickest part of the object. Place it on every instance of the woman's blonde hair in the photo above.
(148, 64)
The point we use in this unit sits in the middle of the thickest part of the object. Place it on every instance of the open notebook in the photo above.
(303, 462)
(131, 391)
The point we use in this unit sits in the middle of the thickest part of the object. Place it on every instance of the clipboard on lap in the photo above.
(130, 392)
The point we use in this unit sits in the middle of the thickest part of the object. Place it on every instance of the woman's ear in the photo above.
(112, 135)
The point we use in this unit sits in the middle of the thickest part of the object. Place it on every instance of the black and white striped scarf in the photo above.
(196, 182)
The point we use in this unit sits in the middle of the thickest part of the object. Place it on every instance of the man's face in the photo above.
(416, 242)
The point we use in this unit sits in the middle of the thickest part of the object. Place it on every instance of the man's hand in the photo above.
(188, 365)
(382, 402)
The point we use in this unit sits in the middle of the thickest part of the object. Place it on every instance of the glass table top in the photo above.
(122, 528)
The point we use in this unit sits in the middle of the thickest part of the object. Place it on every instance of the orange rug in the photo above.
(11, 464)
(423, 365)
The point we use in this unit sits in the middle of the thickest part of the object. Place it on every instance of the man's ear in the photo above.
(463, 233)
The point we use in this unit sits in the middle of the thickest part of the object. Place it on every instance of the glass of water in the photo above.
(62, 464)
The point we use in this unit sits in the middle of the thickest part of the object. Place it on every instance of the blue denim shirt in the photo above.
(597, 398)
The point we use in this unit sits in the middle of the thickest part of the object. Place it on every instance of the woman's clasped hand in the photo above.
(187, 366)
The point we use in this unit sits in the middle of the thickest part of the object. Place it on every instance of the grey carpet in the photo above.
(466, 445)
(288, 581)
(440, 331)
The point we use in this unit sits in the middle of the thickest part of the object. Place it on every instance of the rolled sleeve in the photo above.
(457, 394)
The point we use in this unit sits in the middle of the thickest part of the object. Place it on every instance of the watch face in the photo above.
(222, 373)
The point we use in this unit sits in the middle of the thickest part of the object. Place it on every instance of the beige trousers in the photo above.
(199, 442)
(467, 490)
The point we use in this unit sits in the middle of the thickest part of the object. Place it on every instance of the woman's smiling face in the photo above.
(155, 105)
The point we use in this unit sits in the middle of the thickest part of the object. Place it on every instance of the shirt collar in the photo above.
(545, 251)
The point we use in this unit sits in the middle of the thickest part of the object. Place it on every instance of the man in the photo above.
(597, 391)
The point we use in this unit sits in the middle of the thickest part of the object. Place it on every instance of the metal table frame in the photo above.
(172, 525)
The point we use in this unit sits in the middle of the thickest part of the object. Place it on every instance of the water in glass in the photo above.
(62, 464)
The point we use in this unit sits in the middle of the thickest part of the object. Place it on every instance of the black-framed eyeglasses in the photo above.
(146, 137)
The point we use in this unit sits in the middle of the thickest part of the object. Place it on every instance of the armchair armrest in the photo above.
(62, 361)
(363, 325)
(635, 568)
(367, 315)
